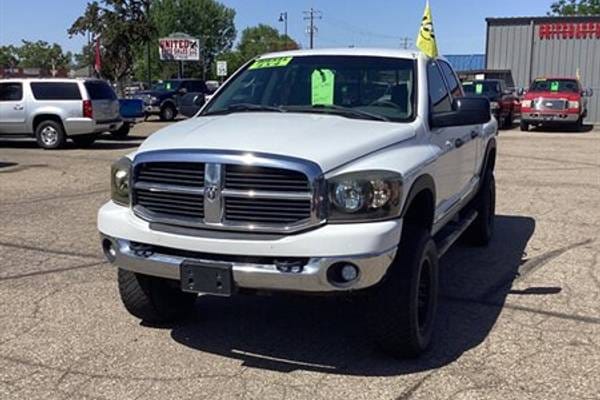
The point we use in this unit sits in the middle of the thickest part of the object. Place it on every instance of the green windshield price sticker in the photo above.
(322, 84)
(168, 85)
(554, 86)
(479, 88)
(271, 62)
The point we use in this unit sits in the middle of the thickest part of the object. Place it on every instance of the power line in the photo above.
(405, 42)
(310, 16)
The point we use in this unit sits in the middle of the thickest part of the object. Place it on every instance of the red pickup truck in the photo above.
(554, 101)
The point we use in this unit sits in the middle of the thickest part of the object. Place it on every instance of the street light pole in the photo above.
(283, 17)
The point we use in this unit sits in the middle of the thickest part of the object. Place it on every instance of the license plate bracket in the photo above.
(207, 278)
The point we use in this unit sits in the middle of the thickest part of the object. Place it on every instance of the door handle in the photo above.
(474, 134)
(18, 107)
(458, 143)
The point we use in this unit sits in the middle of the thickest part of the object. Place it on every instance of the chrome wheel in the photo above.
(49, 136)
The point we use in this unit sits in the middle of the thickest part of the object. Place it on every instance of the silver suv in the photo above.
(56, 109)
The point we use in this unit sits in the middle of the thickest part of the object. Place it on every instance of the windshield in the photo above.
(555, 85)
(166, 86)
(351, 86)
(482, 88)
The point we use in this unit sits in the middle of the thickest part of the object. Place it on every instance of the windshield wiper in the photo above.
(244, 107)
(340, 110)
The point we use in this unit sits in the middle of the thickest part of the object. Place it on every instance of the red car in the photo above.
(554, 101)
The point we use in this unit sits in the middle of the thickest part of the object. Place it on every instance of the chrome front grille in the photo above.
(550, 104)
(224, 192)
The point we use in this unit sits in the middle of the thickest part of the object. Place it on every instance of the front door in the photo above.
(12, 108)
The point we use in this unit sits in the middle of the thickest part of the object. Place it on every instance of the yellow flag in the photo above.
(426, 39)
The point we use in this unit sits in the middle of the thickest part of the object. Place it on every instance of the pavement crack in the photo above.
(52, 271)
(47, 250)
(408, 393)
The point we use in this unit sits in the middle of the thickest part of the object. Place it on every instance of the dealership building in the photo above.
(531, 47)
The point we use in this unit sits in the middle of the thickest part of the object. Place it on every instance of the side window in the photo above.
(11, 91)
(55, 91)
(453, 83)
(439, 98)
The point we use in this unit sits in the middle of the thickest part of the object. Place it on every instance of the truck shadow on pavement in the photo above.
(101, 144)
(288, 333)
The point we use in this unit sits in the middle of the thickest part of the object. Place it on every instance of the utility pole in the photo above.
(283, 17)
(405, 42)
(311, 15)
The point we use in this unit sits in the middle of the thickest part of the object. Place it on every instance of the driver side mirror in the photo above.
(182, 90)
(521, 92)
(587, 92)
(466, 111)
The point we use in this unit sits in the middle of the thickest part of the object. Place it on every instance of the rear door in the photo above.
(105, 104)
(12, 108)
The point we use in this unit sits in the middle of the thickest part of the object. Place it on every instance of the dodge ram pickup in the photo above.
(344, 171)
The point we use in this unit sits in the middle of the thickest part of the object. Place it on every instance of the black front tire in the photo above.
(50, 135)
(152, 299)
(83, 141)
(167, 113)
(524, 126)
(481, 231)
(401, 314)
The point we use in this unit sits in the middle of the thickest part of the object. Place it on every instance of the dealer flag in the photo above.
(426, 39)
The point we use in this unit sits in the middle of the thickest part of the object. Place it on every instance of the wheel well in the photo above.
(421, 209)
(491, 161)
(45, 117)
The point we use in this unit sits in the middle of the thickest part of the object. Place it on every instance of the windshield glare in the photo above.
(165, 86)
(555, 85)
(380, 86)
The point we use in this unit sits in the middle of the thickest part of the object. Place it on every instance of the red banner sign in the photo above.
(570, 30)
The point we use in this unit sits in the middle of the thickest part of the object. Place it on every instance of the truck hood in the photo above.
(327, 140)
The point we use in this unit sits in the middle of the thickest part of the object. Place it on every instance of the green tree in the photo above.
(207, 20)
(8, 56)
(575, 7)
(255, 41)
(120, 25)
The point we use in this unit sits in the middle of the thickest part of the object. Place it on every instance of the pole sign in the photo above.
(179, 49)
(570, 30)
(221, 68)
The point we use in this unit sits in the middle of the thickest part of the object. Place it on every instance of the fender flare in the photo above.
(423, 182)
(168, 101)
(491, 147)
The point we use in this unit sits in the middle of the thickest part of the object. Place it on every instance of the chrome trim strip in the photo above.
(213, 196)
(263, 194)
(160, 188)
(313, 277)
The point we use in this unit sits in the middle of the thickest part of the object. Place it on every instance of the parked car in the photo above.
(130, 110)
(505, 105)
(162, 98)
(554, 101)
(312, 171)
(56, 109)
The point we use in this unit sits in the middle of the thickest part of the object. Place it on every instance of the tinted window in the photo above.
(195, 86)
(453, 84)
(482, 88)
(55, 91)
(555, 85)
(376, 85)
(12, 91)
(438, 94)
(99, 90)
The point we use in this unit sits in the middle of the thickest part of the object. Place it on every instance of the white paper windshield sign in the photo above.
(323, 84)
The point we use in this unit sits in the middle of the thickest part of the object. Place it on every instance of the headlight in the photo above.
(364, 196)
(494, 105)
(120, 173)
(526, 103)
(573, 104)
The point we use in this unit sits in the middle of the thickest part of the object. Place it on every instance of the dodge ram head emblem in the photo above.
(211, 193)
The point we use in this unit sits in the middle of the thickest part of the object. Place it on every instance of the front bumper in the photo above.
(549, 117)
(371, 247)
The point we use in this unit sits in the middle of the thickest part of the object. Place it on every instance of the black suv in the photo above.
(163, 98)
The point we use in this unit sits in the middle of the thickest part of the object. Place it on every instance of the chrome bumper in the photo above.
(312, 278)
(151, 109)
(555, 117)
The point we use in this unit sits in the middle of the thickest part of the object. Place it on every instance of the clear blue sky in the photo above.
(459, 24)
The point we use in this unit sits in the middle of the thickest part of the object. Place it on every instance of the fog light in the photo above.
(349, 272)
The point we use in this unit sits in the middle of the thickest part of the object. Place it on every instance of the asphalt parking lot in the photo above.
(518, 320)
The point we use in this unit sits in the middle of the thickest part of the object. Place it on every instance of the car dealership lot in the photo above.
(518, 320)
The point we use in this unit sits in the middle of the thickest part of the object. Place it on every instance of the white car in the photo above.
(321, 171)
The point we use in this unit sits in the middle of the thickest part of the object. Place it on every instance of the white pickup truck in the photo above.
(321, 171)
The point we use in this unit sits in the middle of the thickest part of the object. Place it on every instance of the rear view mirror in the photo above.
(466, 111)
(521, 91)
